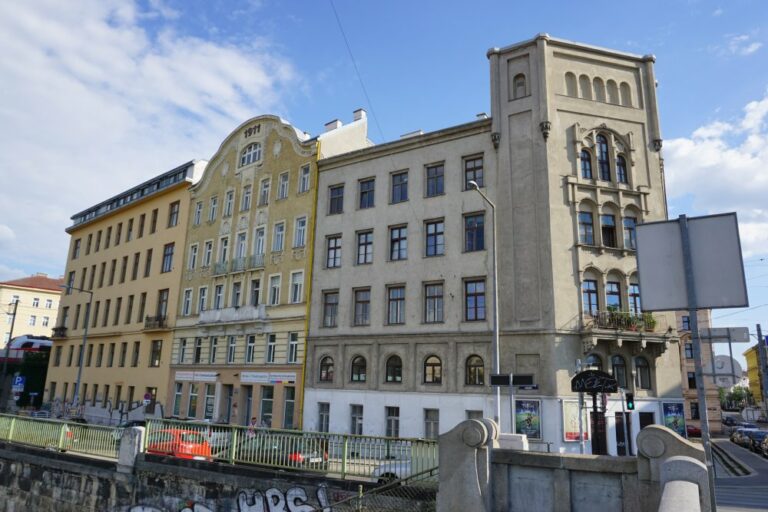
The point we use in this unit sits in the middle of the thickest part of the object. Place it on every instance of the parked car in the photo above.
(729, 421)
(285, 450)
(756, 438)
(185, 444)
(764, 447)
(741, 437)
(118, 432)
(692, 431)
(391, 471)
(218, 435)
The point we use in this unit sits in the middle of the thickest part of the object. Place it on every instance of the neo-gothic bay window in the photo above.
(586, 164)
(621, 169)
(634, 299)
(586, 228)
(602, 158)
(589, 297)
(608, 230)
(613, 295)
(630, 233)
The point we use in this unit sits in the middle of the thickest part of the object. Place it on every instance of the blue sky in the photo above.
(97, 95)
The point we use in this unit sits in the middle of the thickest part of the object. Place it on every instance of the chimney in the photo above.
(412, 134)
(359, 114)
(332, 125)
(482, 115)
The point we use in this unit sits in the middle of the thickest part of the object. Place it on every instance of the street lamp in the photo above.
(495, 341)
(81, 357)
(14, 305)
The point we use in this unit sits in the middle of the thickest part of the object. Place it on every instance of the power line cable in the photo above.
(740, 312)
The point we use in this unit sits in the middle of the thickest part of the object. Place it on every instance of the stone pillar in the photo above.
(685, 484)
(465, 466)
(131, 444)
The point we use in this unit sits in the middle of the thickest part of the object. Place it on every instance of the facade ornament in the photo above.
(496, 139)
(253, 130)
(657, 145)
(545, 127)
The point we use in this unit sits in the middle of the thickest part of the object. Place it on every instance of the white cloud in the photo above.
(741, 45)
(94, 102)
(6, 234)
(717, 12)
(724, 167)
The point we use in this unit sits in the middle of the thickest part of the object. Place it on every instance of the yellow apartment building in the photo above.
(125, 259)
(239, 342)
(754, 375)
(38, 300)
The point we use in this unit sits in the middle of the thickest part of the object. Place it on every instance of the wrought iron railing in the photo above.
(220, 268)
(624, 321)
(256, 261)
(60, 332)
(156, 322)
(239, 264)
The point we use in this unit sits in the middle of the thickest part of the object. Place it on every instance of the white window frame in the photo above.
(223, 249)
(245, 199)
(278, 236)
(198, 217)
(300, 231)
(271, 352)
(297, 287)
(264, 186)
(241, 245)
(229, 203)
(260, 239)
(202, 298)
(192, 263)
(293, 347)
(213, 208)
(282, 185)
(207, 253)
(186, 303)
(274, 292)
(304, 178)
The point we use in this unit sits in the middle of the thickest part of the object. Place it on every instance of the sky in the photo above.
(99, 95)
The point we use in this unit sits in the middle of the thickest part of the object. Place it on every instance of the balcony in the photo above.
(624, 321)
(233, 315)
(623, 326)
(155, 323)
(256, 261)
(220, 268)
(239, 264)
(60, 332)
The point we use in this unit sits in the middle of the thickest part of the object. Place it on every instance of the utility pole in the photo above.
(15, 305)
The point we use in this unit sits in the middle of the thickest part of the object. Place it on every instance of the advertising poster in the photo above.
(528, 418)
(571, 422)
(674, 417)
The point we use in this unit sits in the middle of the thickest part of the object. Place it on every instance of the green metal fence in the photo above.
(336, 454)
(61, 435)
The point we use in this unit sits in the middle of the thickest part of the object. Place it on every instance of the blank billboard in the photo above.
(718, 269)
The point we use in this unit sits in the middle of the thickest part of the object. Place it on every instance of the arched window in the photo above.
(326, 369)
(589, 297)
(621, 169)
(626, 94)
(599, 89)
(250, 154)
(358, 369)
(586, 164)
(585, 87)
(613, 92)
(570, 85)
(475, 371)
(602, 158)
(634, 299)
(619, 370)
(433, 370)
(594, 361)
(394, 369)
(519, 86)
(643, 376)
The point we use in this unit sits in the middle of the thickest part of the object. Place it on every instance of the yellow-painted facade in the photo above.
(38, 301)
(127, 252)
(753, 373)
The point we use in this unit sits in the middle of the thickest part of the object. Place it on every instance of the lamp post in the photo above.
(495, 341)
(15, 306)
(81, 356)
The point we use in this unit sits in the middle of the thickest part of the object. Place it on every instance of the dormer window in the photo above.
(250, 154)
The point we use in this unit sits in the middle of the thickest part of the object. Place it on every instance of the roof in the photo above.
(39, 281)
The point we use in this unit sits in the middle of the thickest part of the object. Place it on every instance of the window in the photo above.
(57, 356)
(643, 376)
(229, 201)
(153, 221)
(274, 290)
(293, 347)
(118, 232)
(108, 237)
(435, 180)
(173, 214)
(333, 252)
(250, 349)
(594, 361)
(33, 320)
(474, 232)
(267, 402)
(330, 308)
(619, 370)
(586, 228)
(399, 187)
(290, 404)
(259, 244)
(255, 288)
(362, 307)
(689, 350)
(135, 271)
(433, 303)
(218, 296)
(356, 416)
(326, 369)
(586, 164)
(207, 253)
(621, 169)
(474, 300)
(76, 249)
(473, 171)
(691, 380)
(365, 247)
(608, 230)
(367, 192)
(135, 355)
(167, 257)
(129, 310)
(197, 218)
(433, 370)
(394, 369)
(519, 86)
(212, 209)
(695, 411)
(178, 386)
(634, 299)
(686, 323)
(143, 304)
(245, 200)
(396, 305)
(223, 249)
(251, 154)
(358, 369)
(201, 299)
(154, 356)
(602, 158)
(393, 422)
(613, 296)
(236, 294)
(398, 243)
(148, 263)
(304, 179)
(630, 233)
(111, 356)
(278, 237)
(431, 423)
(336, 204)
(282, 186)
(36, 302)
(231, 349)
(475, 371)
(300, 232)
(435, 238)
(323, 416)
(192, 403)
(128, 232)
(192, 263)
(264, 192)
(589, 297)
(271, 348)
(297, 287)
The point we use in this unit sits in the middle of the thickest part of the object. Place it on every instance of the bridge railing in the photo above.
(61, 435)
(339, 454)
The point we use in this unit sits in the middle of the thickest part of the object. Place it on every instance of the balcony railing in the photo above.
(238, 264)
(220, 268)
(256, 261)
(625, 321)
(60, 332)
(156, 322)
(239, 314)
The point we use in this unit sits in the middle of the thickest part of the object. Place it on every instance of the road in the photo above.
(742, 493)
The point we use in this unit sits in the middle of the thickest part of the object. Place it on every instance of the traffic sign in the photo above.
(147, 396)
(18, 383)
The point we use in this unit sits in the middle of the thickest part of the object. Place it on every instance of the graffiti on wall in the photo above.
(294, 499)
